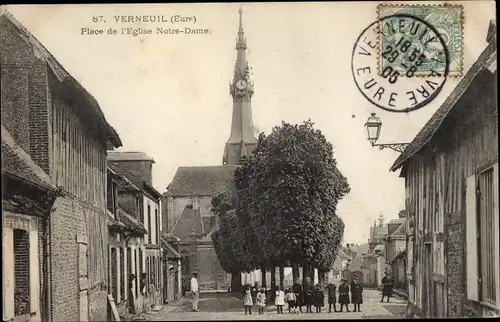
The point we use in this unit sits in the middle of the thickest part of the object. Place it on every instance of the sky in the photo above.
(168, 95)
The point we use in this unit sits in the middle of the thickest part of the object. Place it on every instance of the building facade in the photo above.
(126, 260)
(61, 126)
(451, 178)
(136, 167)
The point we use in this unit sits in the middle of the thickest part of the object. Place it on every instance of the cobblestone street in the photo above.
(222, 307)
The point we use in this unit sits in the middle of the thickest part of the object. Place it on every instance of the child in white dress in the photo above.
(279, 300)
(260, 300)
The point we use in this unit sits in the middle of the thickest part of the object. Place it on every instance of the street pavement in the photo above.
(223, 307)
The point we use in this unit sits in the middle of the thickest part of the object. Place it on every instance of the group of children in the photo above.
(296, 298)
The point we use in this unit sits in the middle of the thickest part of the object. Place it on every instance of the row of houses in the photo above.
(451, 177)
(81, 222)
(385, 251)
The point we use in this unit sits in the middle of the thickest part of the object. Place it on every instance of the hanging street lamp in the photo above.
(373, 126)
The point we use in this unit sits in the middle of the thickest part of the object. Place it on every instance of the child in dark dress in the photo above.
(319, 298)
(332, 297)
(344, 295)
(356, 294)
(308, 299)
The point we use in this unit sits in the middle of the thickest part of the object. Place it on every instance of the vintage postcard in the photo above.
(218, 161)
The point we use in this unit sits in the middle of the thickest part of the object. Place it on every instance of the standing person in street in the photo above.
(344, 295)
(319, 298)
(195, 291)
(254, 291)
(356, 294)
(260, 300)
(247, 299)
(332, 297)
(308, 297)
(279, 299)
(388, 283)
(291, 299)
(299, 294)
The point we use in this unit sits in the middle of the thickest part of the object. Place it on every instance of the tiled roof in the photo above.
(128, 156)
(397, 221)
(342, 254)
(188, 221)
(122, 182)
(62, 75)
(134, 180)
(401, 231)
(202, 181)
(356, 264)
(17, 162)
(172, 252)
(431, 127)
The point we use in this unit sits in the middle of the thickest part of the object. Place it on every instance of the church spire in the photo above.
(242, 140)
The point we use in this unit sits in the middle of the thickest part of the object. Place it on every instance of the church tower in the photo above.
(242, 140)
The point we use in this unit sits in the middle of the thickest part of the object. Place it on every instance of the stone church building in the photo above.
(187, 202)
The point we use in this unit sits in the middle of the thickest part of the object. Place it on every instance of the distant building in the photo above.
(377, 233)
(136, 167)
(188, 198)
(451, 179)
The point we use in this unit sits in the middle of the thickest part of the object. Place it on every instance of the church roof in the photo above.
(190, 220)
(128, 156)
(17, 162)
(201, 181)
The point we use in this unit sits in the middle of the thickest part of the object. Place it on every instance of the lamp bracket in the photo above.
(398, 147)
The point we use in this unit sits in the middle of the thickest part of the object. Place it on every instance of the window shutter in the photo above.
(496, 211)
(471, 234)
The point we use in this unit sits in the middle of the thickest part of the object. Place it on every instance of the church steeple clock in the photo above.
(242, 140)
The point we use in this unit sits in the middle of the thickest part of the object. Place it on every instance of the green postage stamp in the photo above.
(447, 21)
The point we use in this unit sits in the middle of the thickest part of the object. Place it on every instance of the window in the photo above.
(482, 236)
(137, 273)
(149, 225)
(129, 267)
(21, 272)
(114, 276)
(486, 248)
(122, 274)
(148, 272)
(157, 220)
(141, 270)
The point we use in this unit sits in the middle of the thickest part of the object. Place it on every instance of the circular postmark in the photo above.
(400, 63)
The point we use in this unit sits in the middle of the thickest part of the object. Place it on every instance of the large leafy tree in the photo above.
(288, 191)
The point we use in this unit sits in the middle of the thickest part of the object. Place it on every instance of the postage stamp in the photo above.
(448, 21)
(387, 77)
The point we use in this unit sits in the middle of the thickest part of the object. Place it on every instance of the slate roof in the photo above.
(128, 156)
(16, 162)
(201, 181)
(63, 76)
(188, 221)
(432, 126)
(401, 231)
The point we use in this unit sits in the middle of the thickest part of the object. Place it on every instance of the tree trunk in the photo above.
(236, 283)
(282, 276)
(321, 278)
(306, 273)
(295, 272)
(263, 276)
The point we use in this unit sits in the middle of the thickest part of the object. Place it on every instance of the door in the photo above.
(428, 281)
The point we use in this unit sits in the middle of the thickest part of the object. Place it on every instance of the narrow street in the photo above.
(222, 307)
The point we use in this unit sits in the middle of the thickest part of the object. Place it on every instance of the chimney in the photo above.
(381, 220)
(137, 164)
